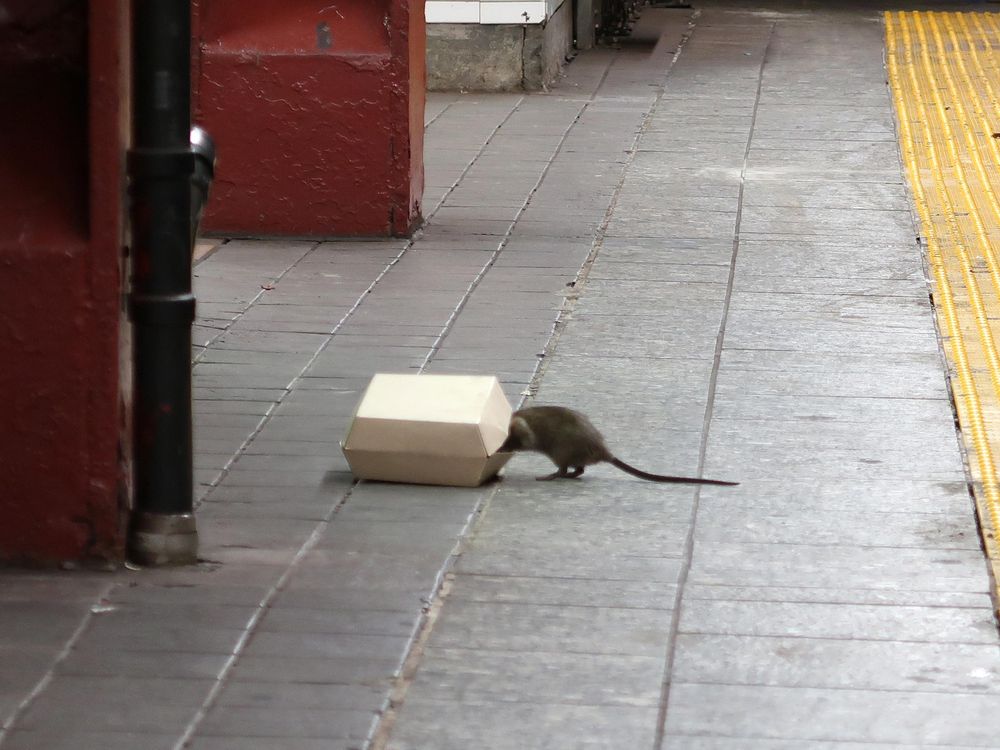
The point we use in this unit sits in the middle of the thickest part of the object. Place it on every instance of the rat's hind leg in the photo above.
(554, 475)
(563, 473)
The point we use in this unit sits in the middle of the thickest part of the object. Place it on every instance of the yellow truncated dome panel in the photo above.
(429, 429)
(944, 70)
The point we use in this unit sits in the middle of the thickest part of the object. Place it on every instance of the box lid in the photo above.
(441, 415)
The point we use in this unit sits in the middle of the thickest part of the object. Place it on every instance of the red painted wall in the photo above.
(317, 113)
(61, 188)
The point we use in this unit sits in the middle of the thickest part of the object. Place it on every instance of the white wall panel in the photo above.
(452, 11)
(490, 11)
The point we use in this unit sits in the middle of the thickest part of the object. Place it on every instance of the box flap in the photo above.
(493, 464)
(495, 420)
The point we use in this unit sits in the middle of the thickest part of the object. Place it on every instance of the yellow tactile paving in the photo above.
(944, 71)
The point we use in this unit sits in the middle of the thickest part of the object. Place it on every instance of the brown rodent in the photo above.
(569, 439)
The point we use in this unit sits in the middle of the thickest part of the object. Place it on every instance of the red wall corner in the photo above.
(416, 46)
(61, 203)
(316, 113)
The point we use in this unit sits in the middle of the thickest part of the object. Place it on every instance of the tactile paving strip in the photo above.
(944, 71)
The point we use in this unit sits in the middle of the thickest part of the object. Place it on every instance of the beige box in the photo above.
(429, 429)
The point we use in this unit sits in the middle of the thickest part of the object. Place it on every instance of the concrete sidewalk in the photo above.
(710, 252)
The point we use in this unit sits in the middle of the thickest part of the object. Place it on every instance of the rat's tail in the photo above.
(661, 478)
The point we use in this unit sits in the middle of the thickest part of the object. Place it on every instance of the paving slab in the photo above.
(833, 595)
(58, 738)
(446, 725)
(325, 722)
(243, 742)
(332, 670)
(815, 715)
(953, 668)
(853, 622)
(832, 566)
(461, 675)
(689, 742)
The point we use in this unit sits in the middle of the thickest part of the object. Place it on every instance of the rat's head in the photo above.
(519, 437)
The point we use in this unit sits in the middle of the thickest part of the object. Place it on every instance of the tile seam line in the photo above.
(440, 114)
(313, 539)
(689, 541)
(839, 209)
(779, 512)
(43, 683)
(860, 743)
(546, 701)
(581, 608)
(601, 233)
(505, 239)
(722, 683)
(260, 293)
(253, 623)
(848, 638)
(844, 601)
(726, 585)
(266, 417)
(819, 639)
(835, 295)
(218, 683)
(381, 733)
(864, 547)
(251, 626)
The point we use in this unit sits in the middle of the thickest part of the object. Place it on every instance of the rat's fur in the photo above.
(569, 439)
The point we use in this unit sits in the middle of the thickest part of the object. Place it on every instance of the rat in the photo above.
(569, 439)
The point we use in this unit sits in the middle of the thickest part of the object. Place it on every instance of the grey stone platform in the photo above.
(711, 252)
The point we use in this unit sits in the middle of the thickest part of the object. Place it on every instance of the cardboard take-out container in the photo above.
(429, 429)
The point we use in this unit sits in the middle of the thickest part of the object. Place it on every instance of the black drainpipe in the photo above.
(161, 164)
